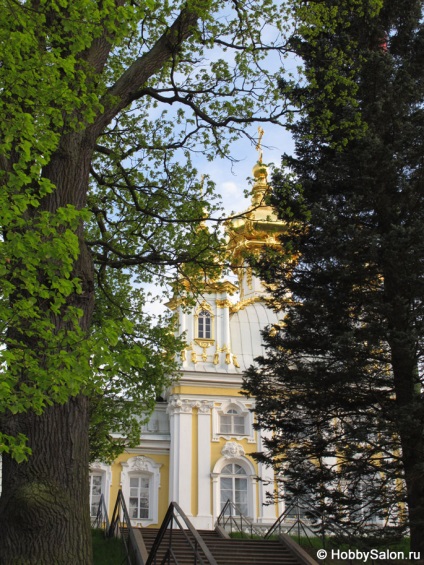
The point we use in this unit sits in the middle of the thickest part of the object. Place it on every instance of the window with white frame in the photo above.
(234, 487)
(204, 325)
(96, 490)
(233, 419)
(140, 482)
(139, 499)
(232, 423)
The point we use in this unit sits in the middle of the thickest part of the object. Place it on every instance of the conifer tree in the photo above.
(340, 388)
(103, 103)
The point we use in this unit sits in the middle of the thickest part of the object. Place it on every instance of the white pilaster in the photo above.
(204, 516)
(266, 514)
(180, 412)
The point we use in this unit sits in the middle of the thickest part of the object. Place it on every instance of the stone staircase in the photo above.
(226, 551)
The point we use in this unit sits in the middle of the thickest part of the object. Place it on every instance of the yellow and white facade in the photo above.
(196, 449)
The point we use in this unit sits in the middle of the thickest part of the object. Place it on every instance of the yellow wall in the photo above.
(163, 460)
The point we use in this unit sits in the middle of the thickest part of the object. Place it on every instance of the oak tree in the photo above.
(103, 104)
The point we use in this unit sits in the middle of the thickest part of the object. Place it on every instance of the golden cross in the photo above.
(259, 144)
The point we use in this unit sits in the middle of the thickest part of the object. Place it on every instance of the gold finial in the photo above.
(259, 144)
(202, 223)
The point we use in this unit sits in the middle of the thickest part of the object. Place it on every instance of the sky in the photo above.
(231, 178)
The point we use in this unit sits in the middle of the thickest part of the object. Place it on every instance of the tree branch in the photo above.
(122, 92)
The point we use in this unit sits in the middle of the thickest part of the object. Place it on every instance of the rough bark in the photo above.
(44, 516)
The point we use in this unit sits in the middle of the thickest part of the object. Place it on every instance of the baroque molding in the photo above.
(232, 449)
(224, 303)
(185, 406)
(244, 303)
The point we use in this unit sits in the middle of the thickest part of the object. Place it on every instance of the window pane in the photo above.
(138, 506)
(234, 488)
(95, 493)
(238, 424)
(204, 325)
(225, 425)
(238, 470)
(227, 470)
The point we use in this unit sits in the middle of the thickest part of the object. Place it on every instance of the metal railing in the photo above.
(101, 520)
(175, 519)
(120, 526)
(232, 520)
(299, 519)
(303, 523)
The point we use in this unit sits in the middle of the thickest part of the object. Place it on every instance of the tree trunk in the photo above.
(410, 410)
(44, 511)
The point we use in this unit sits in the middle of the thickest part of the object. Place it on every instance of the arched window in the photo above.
(232, 423)
(204, 325)
(233, 486)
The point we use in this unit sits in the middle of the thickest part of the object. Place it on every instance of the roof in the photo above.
(245, 329)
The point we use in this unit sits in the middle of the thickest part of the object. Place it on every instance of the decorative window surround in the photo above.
(204, 324)
(242, 409)
(99, 468)
(247, 466)
(141, 466)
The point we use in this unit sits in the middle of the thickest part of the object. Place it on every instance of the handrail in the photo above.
(297, 505)
(245, 523)
(133, 551)
(332, 533)
(101, 520)
(173, 515)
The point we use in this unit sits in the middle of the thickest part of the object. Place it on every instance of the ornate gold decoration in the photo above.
(193, 357)
(244, 303)
(183, 355)
(235, 361)
(228, 358)
(223, 303)
(204, 306)
(249, 277)
(216, 358)
(211, 286)
(259, 144)
(204, 344)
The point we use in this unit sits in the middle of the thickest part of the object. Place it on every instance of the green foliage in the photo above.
(102, 107)
(340, 389)
(330, 43)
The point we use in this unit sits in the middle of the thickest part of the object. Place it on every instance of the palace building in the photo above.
(196, 449)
